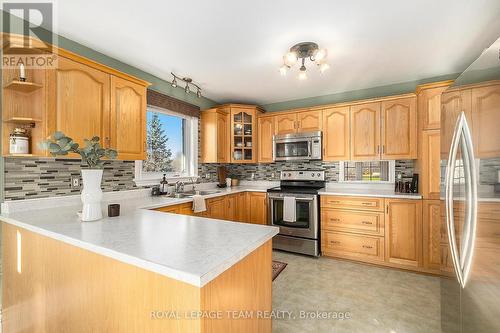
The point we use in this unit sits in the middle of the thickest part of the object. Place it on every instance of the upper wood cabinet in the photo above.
(399, 129)
(485, 106)
(403, 232)
(429, 104)
(429, 164)
(336, 134)
(265, 140)
(244, 133)
(214, 136)
(128, 119)
(79, 101)
(309, 121)
(302, 121)
(365, 131)
(286, 123)
(451, 107)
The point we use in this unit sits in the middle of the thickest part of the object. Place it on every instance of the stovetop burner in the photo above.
(306, 182)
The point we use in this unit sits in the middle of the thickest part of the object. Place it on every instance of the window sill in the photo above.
(156, 181)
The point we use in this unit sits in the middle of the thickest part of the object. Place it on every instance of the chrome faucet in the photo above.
(179, 187)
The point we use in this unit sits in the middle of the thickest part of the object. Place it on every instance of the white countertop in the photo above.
(368, 192)
(191, 249)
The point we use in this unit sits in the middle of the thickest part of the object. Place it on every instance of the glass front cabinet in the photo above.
(244, 133)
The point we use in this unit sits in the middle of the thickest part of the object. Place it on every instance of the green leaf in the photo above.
(54, 148)
(58, 135)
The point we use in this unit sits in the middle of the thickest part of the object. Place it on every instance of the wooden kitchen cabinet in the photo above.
(286, 123)
(231, 205)
(452, 104)
(242, 207)
(243, 133)
(79, 101)
(215, 136)
(399, 129)
(403, 232)
(371, 223)
(309, 121)
(365, 131)
(431, 233)
(429, 104)
(429, 164)
(266, 132)
(216, 208)
(128, 119)
(352, 246)
(485, 105)
(257, 207)
(336, 134)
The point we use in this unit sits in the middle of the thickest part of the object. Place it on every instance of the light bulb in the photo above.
(320, 55)
(174, 83)
(290, 59)
(283, 70)
(187, 90)
(323, 67)
(302, 75)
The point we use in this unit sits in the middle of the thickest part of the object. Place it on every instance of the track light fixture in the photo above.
(189, 82)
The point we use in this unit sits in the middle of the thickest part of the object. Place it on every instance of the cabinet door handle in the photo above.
(383, 149)
(334, 202)
(387, 209)
(366, 222)
(367, 247)
(334, 242)
(367, 204)
(378, 149)
(335, 220)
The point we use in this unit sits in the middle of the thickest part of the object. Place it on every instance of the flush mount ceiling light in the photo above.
(188, 81)
(301, 52)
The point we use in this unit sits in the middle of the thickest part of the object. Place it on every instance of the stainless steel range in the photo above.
(294, 208)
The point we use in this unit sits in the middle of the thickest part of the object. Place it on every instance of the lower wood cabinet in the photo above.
(353, 246)
(403, 232)
(250, 207)
(432, 239)
(364, 222)
(257, 207)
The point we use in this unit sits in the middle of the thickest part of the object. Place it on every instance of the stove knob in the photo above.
(312, 174)
(289, 174)
(319, 174)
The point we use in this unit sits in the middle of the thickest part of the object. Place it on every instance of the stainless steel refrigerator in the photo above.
(470, 173)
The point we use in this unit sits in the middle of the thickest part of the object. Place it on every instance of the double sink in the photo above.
(189, 194)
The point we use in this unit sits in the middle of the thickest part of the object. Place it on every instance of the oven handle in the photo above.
(296, 198)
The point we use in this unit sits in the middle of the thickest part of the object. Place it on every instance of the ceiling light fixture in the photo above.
(189, 82)
(301, 52)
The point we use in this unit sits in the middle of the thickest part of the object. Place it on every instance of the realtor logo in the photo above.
(28, 34)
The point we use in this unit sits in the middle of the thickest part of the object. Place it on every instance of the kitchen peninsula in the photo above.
(142, 271)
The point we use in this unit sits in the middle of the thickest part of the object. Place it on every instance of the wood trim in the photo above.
(86, 61)
(163, 101)
(433, 85)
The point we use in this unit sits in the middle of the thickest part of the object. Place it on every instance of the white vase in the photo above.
(91, 195)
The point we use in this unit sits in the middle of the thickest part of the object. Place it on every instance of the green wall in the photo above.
(393, 89)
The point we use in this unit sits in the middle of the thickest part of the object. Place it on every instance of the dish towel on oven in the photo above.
(199, 204)
(289, 209)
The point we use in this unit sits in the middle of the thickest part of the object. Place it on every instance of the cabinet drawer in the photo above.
(358, 247)
(361, 203)
(365, 222)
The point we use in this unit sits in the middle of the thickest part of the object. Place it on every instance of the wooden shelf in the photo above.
(22, 120)
(24, 87)
(19, 155)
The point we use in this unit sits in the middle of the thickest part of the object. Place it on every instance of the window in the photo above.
(367, 171)
(171, 143)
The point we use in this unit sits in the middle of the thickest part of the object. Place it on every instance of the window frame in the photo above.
(190, 133)
(392, 176)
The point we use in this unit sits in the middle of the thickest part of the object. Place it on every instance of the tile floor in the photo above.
(378, 299)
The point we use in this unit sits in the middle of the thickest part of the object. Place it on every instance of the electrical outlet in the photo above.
(75, 182)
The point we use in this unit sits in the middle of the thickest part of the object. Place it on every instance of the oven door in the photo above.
(292, 149)
(306, 209)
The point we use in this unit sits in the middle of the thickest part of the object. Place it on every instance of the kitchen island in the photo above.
(145, 271)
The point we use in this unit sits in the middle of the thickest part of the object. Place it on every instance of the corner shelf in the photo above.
(22, 120)
(24, 87)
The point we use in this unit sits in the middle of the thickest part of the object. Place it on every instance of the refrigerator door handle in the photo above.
(469, 232)
(449, 178)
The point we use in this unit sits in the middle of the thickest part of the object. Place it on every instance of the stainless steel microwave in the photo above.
(297, 146)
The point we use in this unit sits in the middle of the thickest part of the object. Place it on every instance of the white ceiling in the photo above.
(234, 48)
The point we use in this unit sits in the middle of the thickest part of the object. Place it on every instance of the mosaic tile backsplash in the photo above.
(49, 177)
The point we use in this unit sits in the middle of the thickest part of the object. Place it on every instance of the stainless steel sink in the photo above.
(189, 194)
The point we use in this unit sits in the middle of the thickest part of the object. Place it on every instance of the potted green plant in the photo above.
(91, 153)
